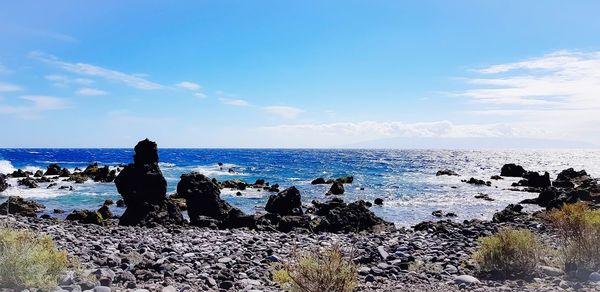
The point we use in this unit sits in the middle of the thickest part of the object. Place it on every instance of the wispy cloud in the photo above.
(234, 102)
(200, 95)
(62, 80)
(9, 87)
(96, 71)
(91, 92)
(284, 111)
(189, 85)
(36, 105)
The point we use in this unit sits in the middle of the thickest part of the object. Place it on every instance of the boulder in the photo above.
(38, 173)
(337, 216)
(53, 169)
(337, 188)
(105, 212)
(100, 174)
(481, 182)
(85, 217)
(3, 183)
(287, 202)
(64, 173)
(378, 201)
(144, 190)
(19, 206)
(203, 199)
(546, 196)
(28, 182)
(345, 180)
(509, 214)
(446, 172)
(19, 173)
(569, 177)
(318, 181)
(512, 170)
(535, 180)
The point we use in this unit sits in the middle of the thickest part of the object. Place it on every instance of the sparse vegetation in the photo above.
(579, 231)
(511, 252)
(325, 270)
(29, 260)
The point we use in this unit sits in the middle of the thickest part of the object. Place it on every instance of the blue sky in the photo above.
(297, 74)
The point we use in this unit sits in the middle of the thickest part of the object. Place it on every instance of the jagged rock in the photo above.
(100, 174)
(78, 178)
(28, 182)
(378, 201)
(496, 177)
(535, 180)
(337, 188)
(512, 170)
(446, 172)
(287, 202)
(3, 183)
(105, 212)
(234, 184)
(318, 181)
(121, 203)
(85, 217)
(19, 173)
(569, 177)
(437, 213)
(203, 199)
(337, 216)
(64, 173)
(38, 173)
(19, 206)
(144, 190)
(483, 197)
(475, 181)
(509, 214)
(53, 169)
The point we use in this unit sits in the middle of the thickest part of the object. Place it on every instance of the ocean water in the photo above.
(405, 179)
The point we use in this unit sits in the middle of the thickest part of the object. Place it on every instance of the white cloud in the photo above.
(91, 91)
(234, 102)
(36, 105)
(200, 95)
(189, 85)
(284, 111)
(9, 87)
(62, 80)
(97, 71)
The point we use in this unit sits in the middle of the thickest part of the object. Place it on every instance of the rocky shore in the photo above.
(152, 247)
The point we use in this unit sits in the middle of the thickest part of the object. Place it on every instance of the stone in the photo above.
(318, 181)
(551, 271)
(466, 279)
(337, 188)
(446, 172)
(102, 289)
(378, 201)
(53, 169)
(286, 202)
(512, 170)
(594, 277)
(22, 207)
(382, 252)
(3, 183)
(85, 217)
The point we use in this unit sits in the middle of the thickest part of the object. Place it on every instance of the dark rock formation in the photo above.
(203, 200)
(100, 174)
(337, 216)
(512, 170)
(483, 197)
(19, 173)
(509, 214)
(38, 173)
(28, 182)
(569, 177)
(446, 172)
(144, 190)
(85, 217)
(64, 173)
(496, 177)
(345, 180)
(337, 188)
(3, 183)
(535, 180)
(105, 212)
(53, 169)
(378, 201)
(288, 202)
(120, 203)
(318, 181)
(19, 206)
(475, 181)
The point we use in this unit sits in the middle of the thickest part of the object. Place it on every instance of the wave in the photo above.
(166, 164)
(6, 167)
(216, 170)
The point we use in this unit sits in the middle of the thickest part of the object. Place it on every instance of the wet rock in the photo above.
(483, 197)
(85, 217)
(345, 180)
(480, 182)
(446, 172)
(535, 180)
(19, 206)
(318, 181)
(287, 202)
(19, 173)
(512, 170)
(100, 174)
(28, 182)
(3, 183)
(64, 173)
(38, 173)
(496, 177)
(336, 189)
(378, 201)
(53, 169)
(144, 190)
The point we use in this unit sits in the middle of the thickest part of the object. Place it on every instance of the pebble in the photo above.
(466, 279)
(594, 277)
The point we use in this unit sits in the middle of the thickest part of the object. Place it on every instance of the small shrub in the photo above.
(28, 260)
(327, 270)
(579, 231)
(511, 252)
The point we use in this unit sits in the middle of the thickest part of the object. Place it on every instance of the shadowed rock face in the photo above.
(287, 202)
(3, 184)
(19, 206)
(144, 190)
(205, 206)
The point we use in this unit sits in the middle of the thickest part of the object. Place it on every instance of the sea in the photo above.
(405, 179)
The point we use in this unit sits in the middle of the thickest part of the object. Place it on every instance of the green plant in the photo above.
(579, 230)
(29, 260)
(511, 252)
(326, 270)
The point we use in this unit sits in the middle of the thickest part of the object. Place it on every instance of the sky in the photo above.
(300, 74)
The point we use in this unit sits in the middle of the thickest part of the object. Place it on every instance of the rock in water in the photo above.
(336, 189)
(3, 184)
(144, 190)
(287, 202)
(512, 170)
(53, 169)
(19, 206)
(204, 203)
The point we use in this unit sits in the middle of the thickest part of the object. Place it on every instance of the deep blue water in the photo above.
(405, 179)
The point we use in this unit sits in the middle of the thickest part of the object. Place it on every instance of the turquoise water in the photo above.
(405, 179)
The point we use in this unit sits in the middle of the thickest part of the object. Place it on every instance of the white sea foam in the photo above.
(6, 167)
(216, 170)
(166, 164)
